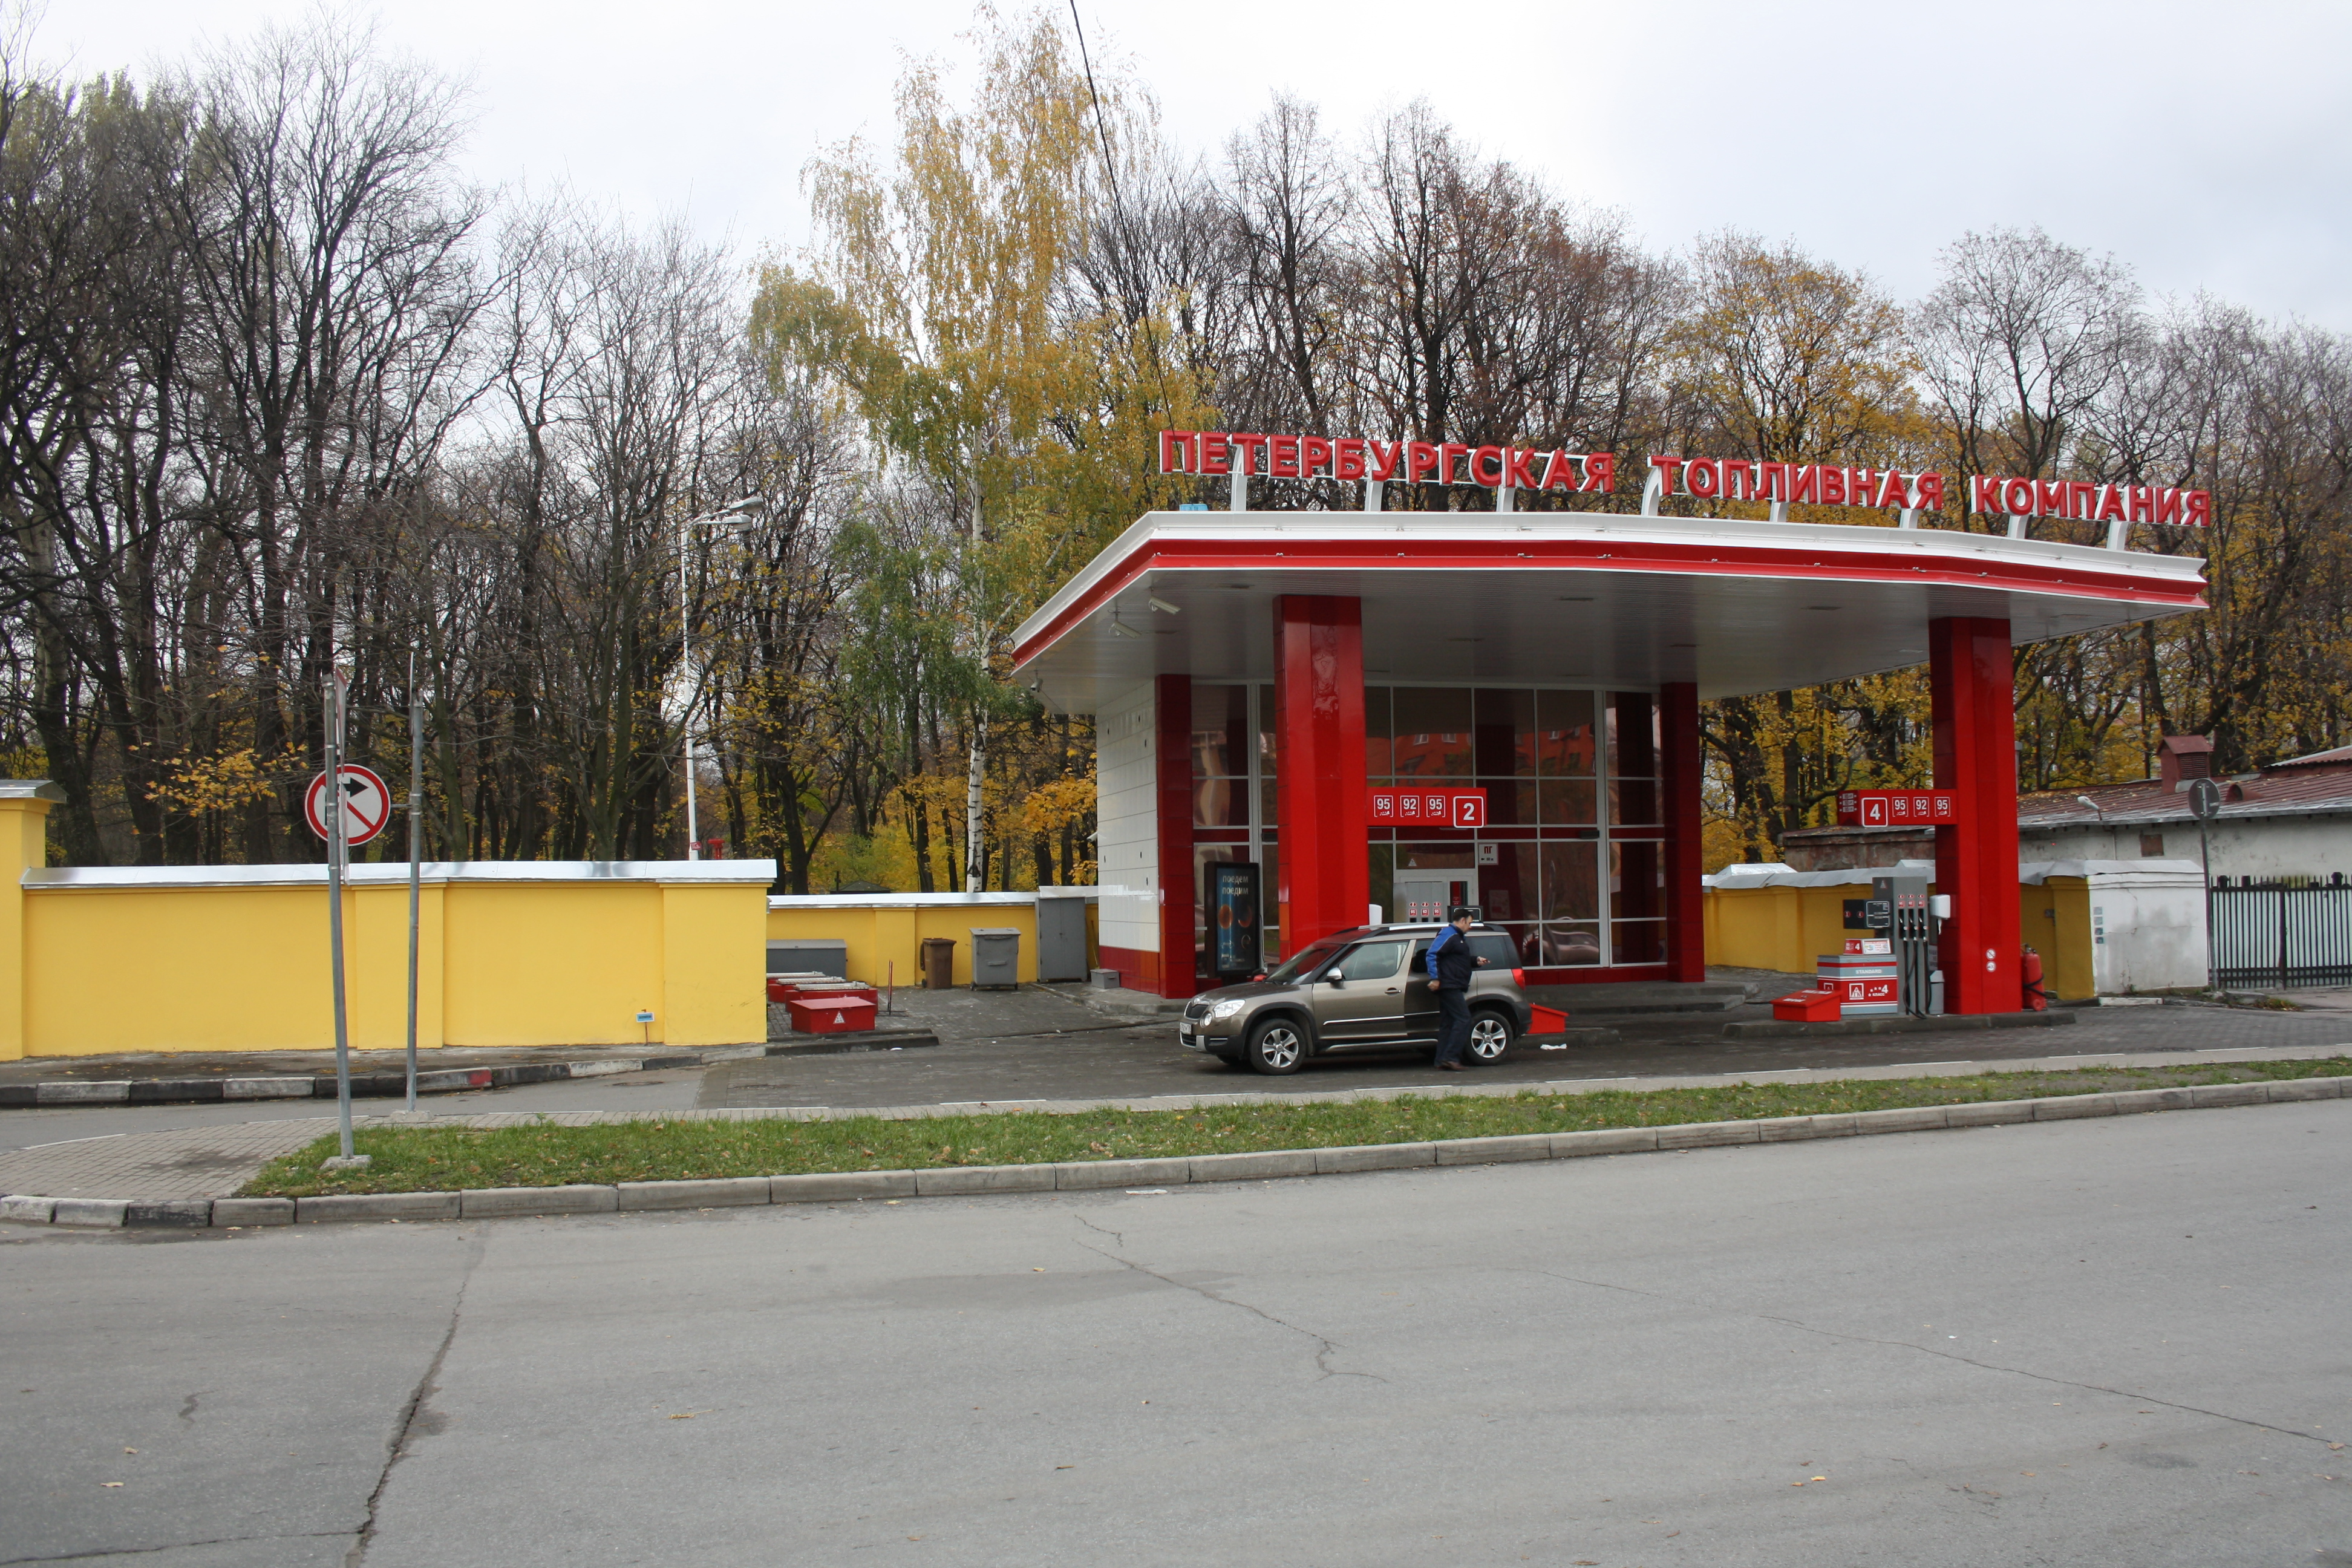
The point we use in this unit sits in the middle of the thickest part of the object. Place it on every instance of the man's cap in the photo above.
(1461, 912)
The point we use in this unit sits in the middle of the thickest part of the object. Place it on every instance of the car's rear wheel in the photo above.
(1490, 1037)
(1277, 1045)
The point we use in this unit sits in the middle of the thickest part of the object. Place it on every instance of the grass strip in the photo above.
(443, 1159)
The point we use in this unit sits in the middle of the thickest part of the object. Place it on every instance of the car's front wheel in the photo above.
(1490, 1037)
(1277, 1045)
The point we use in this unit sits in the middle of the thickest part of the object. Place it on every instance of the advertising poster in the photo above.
(1232, 916)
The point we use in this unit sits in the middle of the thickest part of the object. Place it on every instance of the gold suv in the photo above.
(1364, 990)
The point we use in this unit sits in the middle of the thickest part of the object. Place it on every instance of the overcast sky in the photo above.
(2205, 145)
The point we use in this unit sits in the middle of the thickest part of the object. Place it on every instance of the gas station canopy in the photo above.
(1590, 599)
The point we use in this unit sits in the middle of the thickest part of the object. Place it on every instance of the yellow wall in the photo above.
(2056, 920)
(887, 935)
(1788, 929)
(501, 962)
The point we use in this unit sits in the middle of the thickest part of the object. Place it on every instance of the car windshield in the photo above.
(1307, 960)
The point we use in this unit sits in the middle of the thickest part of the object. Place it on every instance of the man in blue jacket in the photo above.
(1450, 968)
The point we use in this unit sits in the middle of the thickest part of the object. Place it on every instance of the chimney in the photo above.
(2182, 759)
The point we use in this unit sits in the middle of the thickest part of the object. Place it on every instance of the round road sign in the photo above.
(2204, 800)
(367, 805)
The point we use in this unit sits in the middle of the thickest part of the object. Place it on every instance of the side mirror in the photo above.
(1333, 975)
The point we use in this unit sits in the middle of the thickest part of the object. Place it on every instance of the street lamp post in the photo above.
(725, 516)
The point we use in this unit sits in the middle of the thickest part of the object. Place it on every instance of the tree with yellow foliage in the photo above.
(937, 295)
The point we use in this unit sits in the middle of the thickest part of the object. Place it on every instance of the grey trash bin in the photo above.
(995, 957)
(1061, 936)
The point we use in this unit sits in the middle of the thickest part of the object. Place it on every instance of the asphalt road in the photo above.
(998, 1054)
(2087, 1342)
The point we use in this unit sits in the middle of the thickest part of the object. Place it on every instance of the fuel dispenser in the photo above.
(1911, 930)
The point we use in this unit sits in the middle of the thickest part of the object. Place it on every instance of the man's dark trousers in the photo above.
(1452, 1025)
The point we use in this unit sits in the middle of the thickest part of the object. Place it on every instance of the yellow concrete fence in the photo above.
(235, 957)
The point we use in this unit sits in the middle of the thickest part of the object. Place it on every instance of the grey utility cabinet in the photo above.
(813, 955)
(995, 957)
(1061, 935)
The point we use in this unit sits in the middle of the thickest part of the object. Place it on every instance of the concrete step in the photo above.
(1635, 998)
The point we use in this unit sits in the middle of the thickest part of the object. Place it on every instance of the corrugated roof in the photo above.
(2307, 786)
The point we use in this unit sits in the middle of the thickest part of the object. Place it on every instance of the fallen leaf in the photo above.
(129, 1450)
(1820, 1478)
(1066, 1467)
(110, 1483)
(2336, 1447)
(687, 1415)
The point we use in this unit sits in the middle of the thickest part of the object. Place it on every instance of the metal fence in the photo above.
(2271, 936)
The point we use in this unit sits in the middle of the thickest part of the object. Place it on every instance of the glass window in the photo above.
(1565, 738)
(1632, 735)
(1634, 802)
(1565, 803)
(1269, 899)
(1507, 889)
(1373, 960)
(1637, 879)
(1572, 882)
(1567, 943)
(1510, 802)
(1430, 736)
(1219, 731)
(1383, 880)
(1266, 731)
(1220, 803)
(1380, 758)
(1504, 733)
(1637, 941)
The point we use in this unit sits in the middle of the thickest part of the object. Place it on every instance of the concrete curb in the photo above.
(444, 1080)
(967, 1181)
(1899, 1023)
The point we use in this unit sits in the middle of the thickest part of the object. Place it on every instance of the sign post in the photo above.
(416, 849)
(328, 803)
(2205, 804)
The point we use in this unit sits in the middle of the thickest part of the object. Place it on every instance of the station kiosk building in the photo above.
(1500, 708)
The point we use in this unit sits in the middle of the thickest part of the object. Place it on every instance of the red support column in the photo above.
(1172, 776)
(1974, 707)
(1679, 764)
(1320, 789)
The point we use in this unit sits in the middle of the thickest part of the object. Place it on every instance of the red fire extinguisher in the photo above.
(2030, 971)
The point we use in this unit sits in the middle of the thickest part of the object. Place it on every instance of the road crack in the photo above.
(396, 1447)
(1325, 1347)
(2054, 1382)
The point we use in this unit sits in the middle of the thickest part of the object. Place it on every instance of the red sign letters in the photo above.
(1350, 458)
